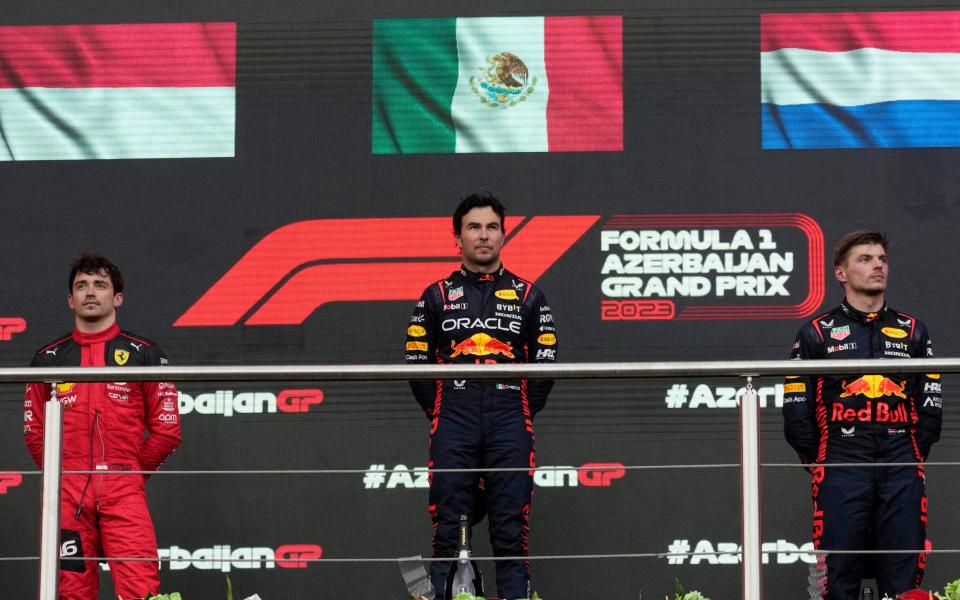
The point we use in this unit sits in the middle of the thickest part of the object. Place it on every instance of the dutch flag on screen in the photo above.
(860, 80)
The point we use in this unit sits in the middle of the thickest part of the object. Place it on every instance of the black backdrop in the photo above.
(691, 147)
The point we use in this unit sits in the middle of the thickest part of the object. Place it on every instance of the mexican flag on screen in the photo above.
(498, 84)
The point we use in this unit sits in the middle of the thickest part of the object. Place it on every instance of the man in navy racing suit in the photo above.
(865, 418)
(482, 314)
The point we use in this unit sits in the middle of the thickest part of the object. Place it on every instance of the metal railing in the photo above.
(749, 414)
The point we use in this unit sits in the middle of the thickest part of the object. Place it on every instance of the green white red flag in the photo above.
(498, 84)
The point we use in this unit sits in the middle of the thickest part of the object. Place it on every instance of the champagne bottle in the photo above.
(464, 575)
(463, 578)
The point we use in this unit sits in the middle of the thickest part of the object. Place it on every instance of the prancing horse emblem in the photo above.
(121, 357)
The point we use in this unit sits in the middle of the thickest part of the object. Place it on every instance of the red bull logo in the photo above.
(883, 413)
(873, 386)
(481, 344)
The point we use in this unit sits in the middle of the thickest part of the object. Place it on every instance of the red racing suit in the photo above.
(865, 418)
(103, 430)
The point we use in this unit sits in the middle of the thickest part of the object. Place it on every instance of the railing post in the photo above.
(50, 501)
(750, 491)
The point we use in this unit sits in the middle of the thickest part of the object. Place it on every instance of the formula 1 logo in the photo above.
(9, 326)
(9, 480)
(711, 266)
(299, 267)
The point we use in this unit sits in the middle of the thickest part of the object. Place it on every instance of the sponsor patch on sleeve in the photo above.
(547, 339)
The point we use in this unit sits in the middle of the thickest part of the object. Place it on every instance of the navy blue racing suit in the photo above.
(482, 318)
(865, 418)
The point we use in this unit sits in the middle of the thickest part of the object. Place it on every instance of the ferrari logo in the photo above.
(121, 356)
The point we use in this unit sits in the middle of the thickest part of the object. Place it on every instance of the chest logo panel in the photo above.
(506, 294)
(547, 339)
(840, 333)
(873, 386)
(67, 393)
(121, 357)
(481, 344)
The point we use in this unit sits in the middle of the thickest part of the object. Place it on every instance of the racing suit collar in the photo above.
(860, 315)
(477, 277)
(85, 339)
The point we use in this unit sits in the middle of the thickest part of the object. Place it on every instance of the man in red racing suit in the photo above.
(103, 430)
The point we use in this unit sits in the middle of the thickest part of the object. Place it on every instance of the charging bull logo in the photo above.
(481, 344)
(873, 386)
